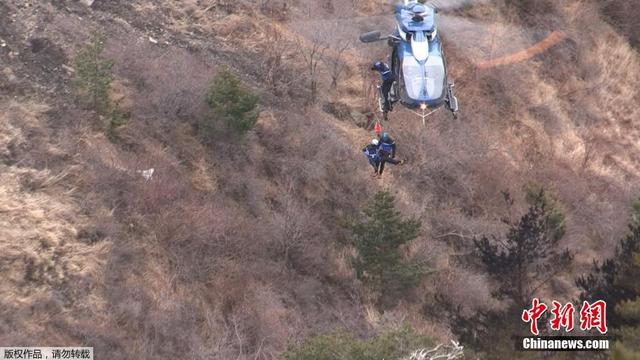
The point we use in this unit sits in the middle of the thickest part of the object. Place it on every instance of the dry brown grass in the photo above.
(229, 251)
(47, 263)
(622, 15)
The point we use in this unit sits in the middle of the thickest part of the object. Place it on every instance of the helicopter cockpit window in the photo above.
(429, 35)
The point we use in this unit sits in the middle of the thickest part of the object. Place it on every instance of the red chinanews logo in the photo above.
(562, 316)
(594, 316)
(591, 316)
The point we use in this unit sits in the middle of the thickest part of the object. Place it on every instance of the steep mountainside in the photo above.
(231, 250)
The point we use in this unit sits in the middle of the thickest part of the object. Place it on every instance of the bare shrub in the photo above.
(275, 9)
(338, 109)
(365, 5)
(312, 56)
(369, 91)
(166, 84)
(275, 68)
(295, 229)
(229, 6)
(336, 64)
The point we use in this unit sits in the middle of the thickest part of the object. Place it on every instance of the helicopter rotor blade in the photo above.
(480, 42)
(372, 36)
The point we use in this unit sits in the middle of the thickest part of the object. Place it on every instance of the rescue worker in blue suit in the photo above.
(371, 152)
(387, 78)
(387, 152)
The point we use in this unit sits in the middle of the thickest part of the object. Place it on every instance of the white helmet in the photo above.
(374, 142)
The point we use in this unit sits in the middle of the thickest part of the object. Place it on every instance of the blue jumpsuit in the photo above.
(387, 77)
(371, 152)
(387, 152)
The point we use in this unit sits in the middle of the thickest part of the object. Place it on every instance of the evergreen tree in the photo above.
(379, 262)
(487, 334)
(601, 282)
(94, 75)
(519, 263)
(232, 105)
(527, 257)
(628, 345)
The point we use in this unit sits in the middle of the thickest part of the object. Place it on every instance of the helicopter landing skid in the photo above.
(452, 101)
(381, 107)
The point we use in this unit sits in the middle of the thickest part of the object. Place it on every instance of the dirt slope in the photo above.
(202, 260)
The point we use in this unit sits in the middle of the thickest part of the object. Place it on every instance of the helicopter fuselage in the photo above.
(418, 61)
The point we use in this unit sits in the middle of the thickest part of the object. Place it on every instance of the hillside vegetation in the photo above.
(249, 240)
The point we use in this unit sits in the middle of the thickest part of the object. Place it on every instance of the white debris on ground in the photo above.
(440, 352)
(147, 174)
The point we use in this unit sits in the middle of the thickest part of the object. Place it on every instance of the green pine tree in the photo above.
(604, 281)
(526, 258)
(233, 105)
(94, 75)
(628, 345)
(555, 221)
(519, 263)
(379, 262)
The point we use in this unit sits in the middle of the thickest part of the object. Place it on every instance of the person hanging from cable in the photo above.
(388, 79)
(387, 152)
(372, 154)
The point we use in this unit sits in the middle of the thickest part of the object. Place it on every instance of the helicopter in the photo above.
(481, 44)
(417, 60)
